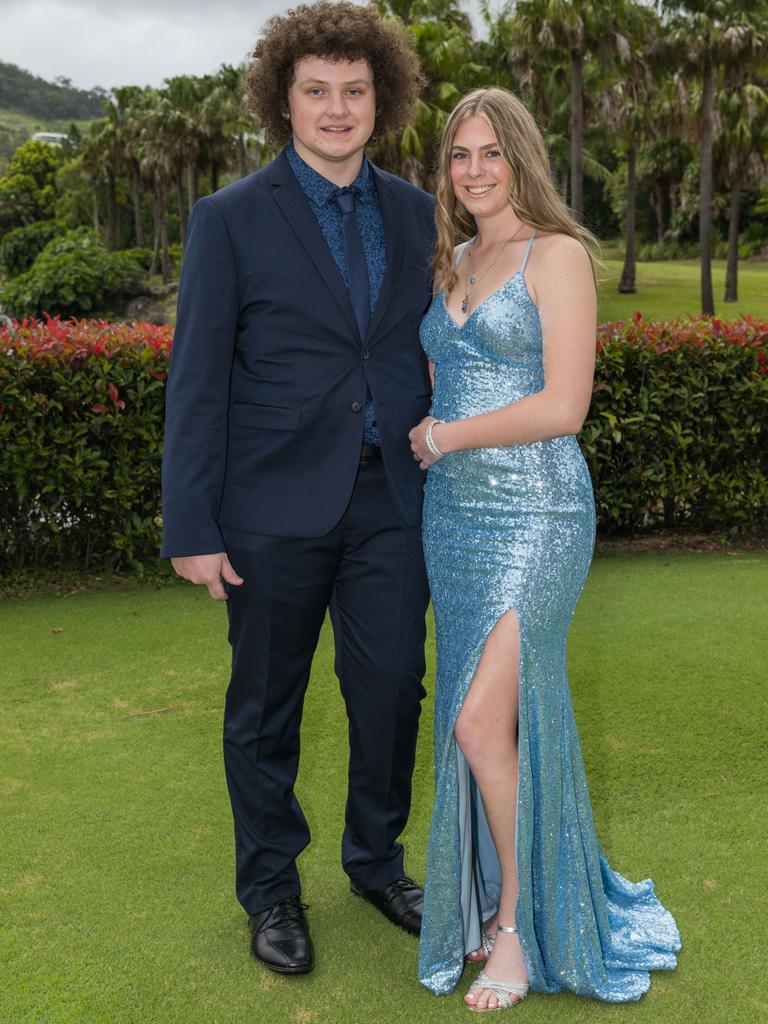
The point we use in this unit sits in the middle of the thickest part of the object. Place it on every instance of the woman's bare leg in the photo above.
(486, 732)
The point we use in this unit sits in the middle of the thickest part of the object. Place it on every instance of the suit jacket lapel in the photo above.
(393, 240)
(297, 211)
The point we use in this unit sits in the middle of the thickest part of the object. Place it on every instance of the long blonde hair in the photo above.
(532, 193)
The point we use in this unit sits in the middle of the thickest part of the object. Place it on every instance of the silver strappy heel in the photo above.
(503, 990)
(486, 945)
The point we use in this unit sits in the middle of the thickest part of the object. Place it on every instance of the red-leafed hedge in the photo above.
(677, 435)
(81, 433)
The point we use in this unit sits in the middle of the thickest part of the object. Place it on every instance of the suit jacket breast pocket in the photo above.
(265, 417)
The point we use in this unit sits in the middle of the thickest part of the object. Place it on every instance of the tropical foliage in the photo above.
(656, 121)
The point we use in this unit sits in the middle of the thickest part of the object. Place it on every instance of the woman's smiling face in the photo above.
(479, 173)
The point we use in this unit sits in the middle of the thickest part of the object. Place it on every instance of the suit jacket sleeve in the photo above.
(197, 396)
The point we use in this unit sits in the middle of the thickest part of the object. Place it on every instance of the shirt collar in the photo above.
(317, 188)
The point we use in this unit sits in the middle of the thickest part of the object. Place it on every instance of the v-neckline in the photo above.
(479, 306)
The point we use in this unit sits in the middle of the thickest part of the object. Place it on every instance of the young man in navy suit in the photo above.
(288, 483)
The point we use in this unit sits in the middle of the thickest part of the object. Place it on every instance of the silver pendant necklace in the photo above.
(472, 277)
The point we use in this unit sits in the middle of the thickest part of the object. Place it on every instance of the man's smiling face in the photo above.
(332, 108)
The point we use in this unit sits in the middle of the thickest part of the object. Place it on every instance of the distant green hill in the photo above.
(58, 101)
(29, 104)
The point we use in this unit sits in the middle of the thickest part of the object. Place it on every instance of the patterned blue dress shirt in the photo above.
(321, 195)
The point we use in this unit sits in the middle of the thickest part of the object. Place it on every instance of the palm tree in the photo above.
(159, 141)
(411, 12)
(741, 150)
(442, 38)
(713, 35)
(185, 95)
(129, 102)
(579, 28)
(102, 153)
(629, 112)
(215, 118)
(238, 123)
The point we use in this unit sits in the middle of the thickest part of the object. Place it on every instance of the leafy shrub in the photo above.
(176, 252)
(678, 428)
(81, 426)
(74, 274)
(20, 247)
(143, 257)
(677, 435)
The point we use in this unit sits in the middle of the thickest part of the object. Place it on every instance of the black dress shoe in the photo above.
(402, 901)
(280, 937)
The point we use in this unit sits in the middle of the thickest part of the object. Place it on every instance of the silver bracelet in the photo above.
(430, 442)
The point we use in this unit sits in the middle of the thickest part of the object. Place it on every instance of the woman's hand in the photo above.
(418, 436)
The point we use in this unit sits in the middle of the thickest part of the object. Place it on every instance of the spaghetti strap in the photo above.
(460, 254)
(527, 251)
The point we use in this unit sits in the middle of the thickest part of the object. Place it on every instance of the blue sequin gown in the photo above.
(513, 528)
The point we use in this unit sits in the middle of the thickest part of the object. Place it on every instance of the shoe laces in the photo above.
(291, 907)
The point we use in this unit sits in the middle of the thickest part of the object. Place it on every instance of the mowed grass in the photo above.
(665, 290)
(116, 861)
(671, 288)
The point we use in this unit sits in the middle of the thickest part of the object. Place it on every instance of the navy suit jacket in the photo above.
(269, 376)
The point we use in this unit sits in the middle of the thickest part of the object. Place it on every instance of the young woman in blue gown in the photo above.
(515, 872)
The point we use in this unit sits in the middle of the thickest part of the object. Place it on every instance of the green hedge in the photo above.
(677, 435)
(81, 427)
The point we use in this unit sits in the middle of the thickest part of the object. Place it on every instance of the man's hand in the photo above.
(210, 570)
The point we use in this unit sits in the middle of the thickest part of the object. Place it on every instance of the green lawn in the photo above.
(664, 290)
(116, 862)
(671, 288)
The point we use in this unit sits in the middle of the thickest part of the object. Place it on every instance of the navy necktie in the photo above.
(357, 271)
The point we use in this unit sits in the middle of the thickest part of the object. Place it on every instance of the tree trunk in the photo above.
(111, 211)
(182, 215)
(656, 203)
(674, 202)
(242, 156)
(214, 176)
(153, 267)
(706, 185)
(627, 283)
(577, 133)
(165, 256)
(138, 227)
(732, 273)
(192, 187)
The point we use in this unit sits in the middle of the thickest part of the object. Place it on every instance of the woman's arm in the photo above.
(563, 287)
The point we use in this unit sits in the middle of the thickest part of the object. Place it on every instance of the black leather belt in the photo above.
(369, 454)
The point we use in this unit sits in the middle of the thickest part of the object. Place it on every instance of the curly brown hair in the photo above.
(337, 32)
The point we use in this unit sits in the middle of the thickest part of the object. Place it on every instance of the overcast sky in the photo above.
(135, 42)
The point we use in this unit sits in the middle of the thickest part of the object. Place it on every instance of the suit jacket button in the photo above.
(357, 406)
(366, 354)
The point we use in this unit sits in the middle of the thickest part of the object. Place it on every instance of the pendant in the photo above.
(472, 279)
(465, 304)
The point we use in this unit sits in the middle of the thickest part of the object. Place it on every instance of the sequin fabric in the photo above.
(513, 528)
